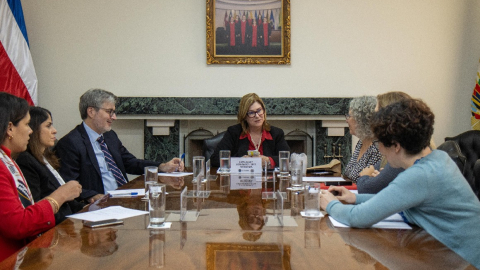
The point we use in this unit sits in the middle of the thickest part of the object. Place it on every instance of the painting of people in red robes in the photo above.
(239, 32)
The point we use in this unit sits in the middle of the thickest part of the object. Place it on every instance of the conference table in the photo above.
(233, 230)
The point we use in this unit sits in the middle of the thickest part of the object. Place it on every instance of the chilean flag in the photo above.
(17, 74)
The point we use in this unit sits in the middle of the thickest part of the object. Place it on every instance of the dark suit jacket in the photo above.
(42, 183)
(239, 148)
(78, 160)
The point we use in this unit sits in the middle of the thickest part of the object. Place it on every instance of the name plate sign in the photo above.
(246, 165)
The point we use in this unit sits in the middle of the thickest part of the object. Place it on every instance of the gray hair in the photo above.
(363, 109)
(94, 98)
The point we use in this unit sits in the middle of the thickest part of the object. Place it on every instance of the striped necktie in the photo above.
(111, 163)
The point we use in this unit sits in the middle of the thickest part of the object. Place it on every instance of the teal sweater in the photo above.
(432, 194)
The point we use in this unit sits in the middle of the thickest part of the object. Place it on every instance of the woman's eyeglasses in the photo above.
(347, 116)
(252, 114)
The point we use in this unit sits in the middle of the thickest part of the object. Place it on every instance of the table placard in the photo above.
(246, 165)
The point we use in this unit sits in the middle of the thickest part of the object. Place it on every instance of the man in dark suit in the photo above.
(93, 154)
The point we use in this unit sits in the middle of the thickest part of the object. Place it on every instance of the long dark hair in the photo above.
(12, 109)
(38, 115)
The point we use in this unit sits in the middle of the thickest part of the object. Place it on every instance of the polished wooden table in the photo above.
(230, 233)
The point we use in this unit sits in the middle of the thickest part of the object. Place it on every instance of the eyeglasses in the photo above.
(112, 112)
(252, 114)
(375, 143)
(347, 116)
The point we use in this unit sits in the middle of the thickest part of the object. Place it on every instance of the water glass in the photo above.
(156, 204)
(150, 176)
(312, 201)
(297, 173)
(284, 157)
(305, 162)
(198, 171)
(224, 160)
(156, 249)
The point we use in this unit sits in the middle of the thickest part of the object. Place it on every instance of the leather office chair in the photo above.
(469, 143)
(210, 144)
(453, 150)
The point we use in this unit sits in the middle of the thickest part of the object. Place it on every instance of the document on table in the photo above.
(322, 179)
(112, 212)
(127, 192)
(392, 222)
(175, 174)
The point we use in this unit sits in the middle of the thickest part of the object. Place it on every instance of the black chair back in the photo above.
(469, 143)
(210, 144)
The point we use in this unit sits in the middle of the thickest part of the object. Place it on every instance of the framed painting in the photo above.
(247, 256)
(248, 32)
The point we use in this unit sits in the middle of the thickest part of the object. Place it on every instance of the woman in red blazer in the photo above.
(22, 219)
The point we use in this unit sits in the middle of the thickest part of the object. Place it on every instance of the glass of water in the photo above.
(198, 171)
(150, 176)
(312, 201)
(224, 161)
(284, 158)
(156, 204)
(297, 173)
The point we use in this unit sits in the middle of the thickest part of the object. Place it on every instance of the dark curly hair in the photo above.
(408, 122)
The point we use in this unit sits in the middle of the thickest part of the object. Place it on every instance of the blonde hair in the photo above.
(245, 103)
(391, 97)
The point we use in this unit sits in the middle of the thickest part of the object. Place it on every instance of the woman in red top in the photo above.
(22, 219)
(252, 133)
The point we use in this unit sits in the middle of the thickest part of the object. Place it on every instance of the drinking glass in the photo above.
(198, 171)
(156, 204)
(312, 201)
(284, 157)
(297, 173)
(150, 176)
(224, 160)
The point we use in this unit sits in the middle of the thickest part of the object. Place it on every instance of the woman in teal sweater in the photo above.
(431, 192)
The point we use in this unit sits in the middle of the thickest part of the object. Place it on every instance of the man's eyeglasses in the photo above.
(111, 112)
(252, 114)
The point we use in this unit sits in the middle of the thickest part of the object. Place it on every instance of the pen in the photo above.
(124, 194)
(181, 159)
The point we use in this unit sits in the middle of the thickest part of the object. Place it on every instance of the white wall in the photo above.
(429, 49)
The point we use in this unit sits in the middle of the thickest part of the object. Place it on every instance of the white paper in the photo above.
(175, 174)
(127, 192)
(322, 179)
(304, 214)
(391, 222)
(112, 212)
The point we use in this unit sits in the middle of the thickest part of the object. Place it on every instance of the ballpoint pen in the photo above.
(181, 159)
(126, 194)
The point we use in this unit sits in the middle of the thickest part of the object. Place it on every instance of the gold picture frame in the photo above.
(240, 40)
(247, 256)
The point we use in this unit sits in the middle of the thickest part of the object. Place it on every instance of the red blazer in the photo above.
(19, 225)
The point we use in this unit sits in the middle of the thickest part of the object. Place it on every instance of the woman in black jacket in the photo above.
(252, 134)
(39, 164)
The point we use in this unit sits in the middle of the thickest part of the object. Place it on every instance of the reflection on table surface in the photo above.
(231, 232)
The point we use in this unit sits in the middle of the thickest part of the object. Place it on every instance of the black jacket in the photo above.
(42, 183)
(78, 160)
(239, 148)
